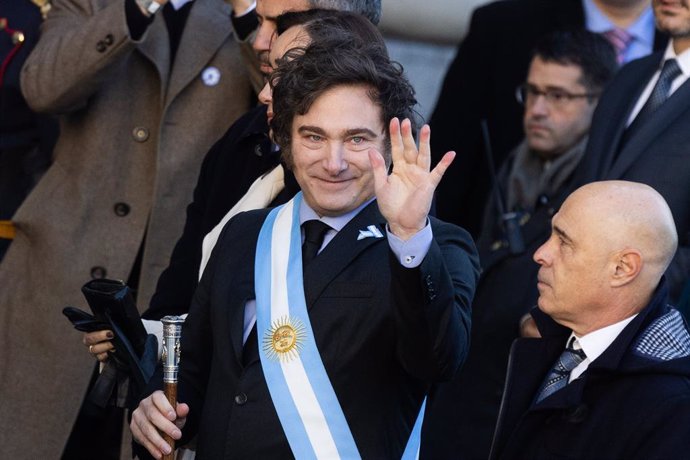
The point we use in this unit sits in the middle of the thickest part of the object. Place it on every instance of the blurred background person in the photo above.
(490, 62)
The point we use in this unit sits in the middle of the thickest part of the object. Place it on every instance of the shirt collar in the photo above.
(641, 30)
(595, 343)
(336, 223)
(177, 4)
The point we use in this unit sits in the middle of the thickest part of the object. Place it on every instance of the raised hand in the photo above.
(404, 197)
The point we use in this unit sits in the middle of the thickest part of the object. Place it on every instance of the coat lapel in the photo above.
(208, 27)
(340, 252)
(156, 48)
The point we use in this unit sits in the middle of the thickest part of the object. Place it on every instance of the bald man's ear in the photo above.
(627, 265)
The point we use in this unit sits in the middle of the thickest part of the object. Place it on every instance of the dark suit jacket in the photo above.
(629, 404)
(384, 333)
(657, 153)
(491, 62)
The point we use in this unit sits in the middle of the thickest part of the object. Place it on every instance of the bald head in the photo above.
(630, 215)
(610, 244)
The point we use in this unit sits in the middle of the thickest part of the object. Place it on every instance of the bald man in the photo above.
(610, 377)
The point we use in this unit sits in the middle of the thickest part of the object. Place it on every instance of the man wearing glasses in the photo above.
(567, 73)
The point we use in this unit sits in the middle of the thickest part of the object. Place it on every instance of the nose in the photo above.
(335, 162)
(266, 95)
(539, 106)
(264, 35)
(541, 254)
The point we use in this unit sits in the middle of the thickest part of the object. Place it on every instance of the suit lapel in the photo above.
(632, 87)
(675, 106)
(156, 48)
(341, 251)
(207, 28)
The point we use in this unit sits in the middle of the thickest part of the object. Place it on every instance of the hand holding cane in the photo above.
(172, 330)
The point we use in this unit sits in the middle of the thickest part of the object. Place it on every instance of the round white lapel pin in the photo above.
(210, 76)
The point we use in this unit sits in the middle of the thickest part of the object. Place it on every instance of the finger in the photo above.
(182, 412)
(102, 357)
(102, 347)
(441, 168)
(146, 434)
(378, 166)
(409, 146)
(396, 140)
(92, 338)
(424, 158)
(163, 406)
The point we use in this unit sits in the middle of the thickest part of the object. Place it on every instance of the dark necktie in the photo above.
(659, 94)
(314, 232)
(661, 90)
(560, 372)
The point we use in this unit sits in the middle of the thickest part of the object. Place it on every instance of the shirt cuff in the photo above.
(412, 252)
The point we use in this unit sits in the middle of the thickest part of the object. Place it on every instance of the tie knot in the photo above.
(575, 352)
(670, 70)
(620, 39)
(315, 230)
(314, 233)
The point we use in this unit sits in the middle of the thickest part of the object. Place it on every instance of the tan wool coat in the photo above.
(134, 129)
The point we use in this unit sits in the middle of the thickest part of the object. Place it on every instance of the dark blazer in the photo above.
(490, 63)
(384, 333)
(657, 153)
(631, 403)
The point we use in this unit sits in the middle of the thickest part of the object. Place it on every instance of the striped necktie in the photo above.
(559, 374)
(620, 39)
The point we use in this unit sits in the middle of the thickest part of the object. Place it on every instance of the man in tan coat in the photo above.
(142, 96)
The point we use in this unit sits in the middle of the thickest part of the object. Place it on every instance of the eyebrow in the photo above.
(347, 132)
(560, 232)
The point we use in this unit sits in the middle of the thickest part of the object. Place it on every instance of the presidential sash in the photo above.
(300, 388)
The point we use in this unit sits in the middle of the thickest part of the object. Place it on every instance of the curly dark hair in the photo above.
(305, 74)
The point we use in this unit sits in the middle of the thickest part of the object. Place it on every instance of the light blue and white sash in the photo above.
(302, 393)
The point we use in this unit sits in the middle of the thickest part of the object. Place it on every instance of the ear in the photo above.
(627, 265)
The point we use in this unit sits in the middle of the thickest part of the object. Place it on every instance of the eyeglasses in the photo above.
(527, 94)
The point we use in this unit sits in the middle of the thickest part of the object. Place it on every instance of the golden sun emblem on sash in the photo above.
(283, 340)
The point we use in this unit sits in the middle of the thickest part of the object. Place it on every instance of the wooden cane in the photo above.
(172, 331)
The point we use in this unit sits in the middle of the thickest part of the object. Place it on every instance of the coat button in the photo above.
(140, 134)
(240, 399)
(98, 272)
(121, 209)
(108, 40)
(258, 151)
(101, 46)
